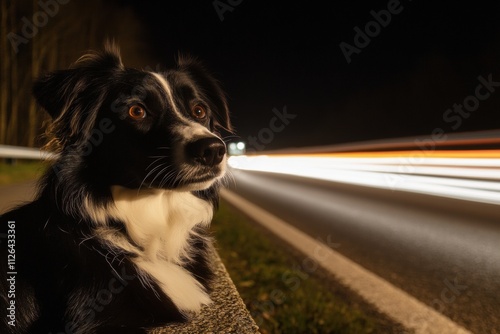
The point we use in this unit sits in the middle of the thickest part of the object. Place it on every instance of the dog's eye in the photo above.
(136, 112)
(198, 112)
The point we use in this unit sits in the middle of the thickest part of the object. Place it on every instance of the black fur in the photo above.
(68, 279)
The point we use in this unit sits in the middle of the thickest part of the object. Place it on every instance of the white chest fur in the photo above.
(161, 222)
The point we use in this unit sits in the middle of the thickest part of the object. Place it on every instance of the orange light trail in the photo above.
(472, 175)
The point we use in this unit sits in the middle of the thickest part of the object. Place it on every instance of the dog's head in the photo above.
(137, 128)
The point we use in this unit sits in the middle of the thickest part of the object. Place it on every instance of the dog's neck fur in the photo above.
(160, 224)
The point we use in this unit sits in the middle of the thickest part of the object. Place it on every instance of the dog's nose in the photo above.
(207, 151)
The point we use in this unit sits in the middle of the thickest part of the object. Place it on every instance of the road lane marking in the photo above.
(390, 300)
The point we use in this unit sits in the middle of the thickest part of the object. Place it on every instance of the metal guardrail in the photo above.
(487, 139)
(17, 152)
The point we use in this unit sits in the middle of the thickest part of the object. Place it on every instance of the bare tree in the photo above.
(5, 68)
(69, 31)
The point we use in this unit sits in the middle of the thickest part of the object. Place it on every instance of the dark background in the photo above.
(274, 54)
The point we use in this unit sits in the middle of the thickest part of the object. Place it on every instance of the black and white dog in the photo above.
(116, 240)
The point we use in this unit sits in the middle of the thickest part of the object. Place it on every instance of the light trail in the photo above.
(469, 175)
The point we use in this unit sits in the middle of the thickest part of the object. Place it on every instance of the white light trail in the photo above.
(473, 179)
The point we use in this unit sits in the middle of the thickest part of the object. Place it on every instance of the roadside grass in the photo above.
(21, 171)
(283, 294)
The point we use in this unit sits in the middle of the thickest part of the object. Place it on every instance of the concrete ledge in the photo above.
(227, 313)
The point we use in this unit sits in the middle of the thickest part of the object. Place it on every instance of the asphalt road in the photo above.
(445, 252)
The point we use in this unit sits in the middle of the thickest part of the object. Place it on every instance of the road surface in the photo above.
(443, 251)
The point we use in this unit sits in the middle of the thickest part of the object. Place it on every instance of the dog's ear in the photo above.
(56, 91)
(210, 88)
(74, 96)
(52, 91)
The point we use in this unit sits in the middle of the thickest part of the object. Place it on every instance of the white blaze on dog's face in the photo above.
(200, 153)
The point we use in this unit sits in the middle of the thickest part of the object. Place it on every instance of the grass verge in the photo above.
(21, 171)
(282, 292)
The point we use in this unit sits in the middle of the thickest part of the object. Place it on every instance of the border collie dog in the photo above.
(116, 240)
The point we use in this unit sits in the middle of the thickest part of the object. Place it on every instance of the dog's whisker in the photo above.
(167, 178)
(228, 177)
(159, 173)
(163, 177)
(176, 178)
(157, 167)
(149, 174)
(149, 166)
(230, 137)
(157, 156)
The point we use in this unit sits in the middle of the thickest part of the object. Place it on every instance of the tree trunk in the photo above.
(13, 104)
(5, 51)
(35, 67)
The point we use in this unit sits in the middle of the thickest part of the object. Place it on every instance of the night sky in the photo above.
(401, 82)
